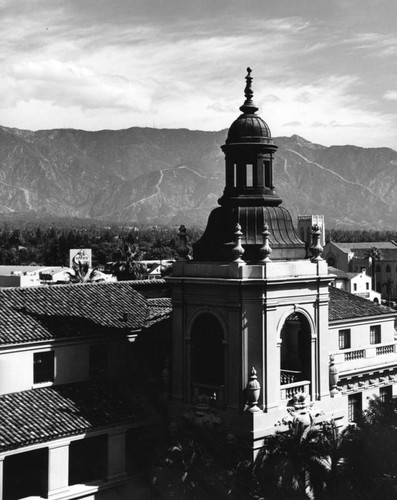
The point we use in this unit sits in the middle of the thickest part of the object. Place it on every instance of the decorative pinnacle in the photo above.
(248, 107)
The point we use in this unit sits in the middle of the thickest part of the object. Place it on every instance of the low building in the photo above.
(68, 410)
(22, 276)
(356, 283)
(351, 257)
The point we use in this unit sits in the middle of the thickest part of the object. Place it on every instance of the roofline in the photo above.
(377, 317)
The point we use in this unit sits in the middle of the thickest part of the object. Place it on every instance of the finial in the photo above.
(316, 248)
(253, 392)
(238, 250)
(182, 249)
(265, 249)
(248, 107)
(333, 377)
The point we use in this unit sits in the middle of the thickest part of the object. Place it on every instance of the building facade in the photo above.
(255, 322)
(69, 412)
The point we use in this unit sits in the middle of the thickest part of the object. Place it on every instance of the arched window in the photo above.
(295, 354)
(208, 359)
(377, 269)
(388, 268)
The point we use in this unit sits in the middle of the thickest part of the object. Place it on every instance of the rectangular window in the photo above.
(98, 360)
(355, 287)
(88, 459)
(250, 178)
(354, 405)
(344, 339)
(43, 367)
(367, 286)
(374, 334)
(386, 393)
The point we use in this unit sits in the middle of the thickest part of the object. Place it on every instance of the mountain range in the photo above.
(173, 176)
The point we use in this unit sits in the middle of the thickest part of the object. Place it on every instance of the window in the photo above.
(208, 358)
(88, 459)
(26, 475)
(354, 407)
(98, 360)
(43, 367)
(367, 286)
(386, 393)
(355, 287)
(388, 268)
(374, 334)
(249, 180)
(344, 339)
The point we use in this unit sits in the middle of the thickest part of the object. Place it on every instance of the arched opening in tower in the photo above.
(208, 358)
(295, 351)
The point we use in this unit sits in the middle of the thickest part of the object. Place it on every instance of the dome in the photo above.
(248, 128)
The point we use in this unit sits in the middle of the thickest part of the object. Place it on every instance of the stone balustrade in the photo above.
(288, 391)
(369, 356)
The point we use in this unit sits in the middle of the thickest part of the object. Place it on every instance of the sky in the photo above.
(323, 69)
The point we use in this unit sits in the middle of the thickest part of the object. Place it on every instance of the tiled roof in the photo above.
(34, 314)
(363, 245)
(40, 415)
(345, 305)
(151, 288)
(159, 310)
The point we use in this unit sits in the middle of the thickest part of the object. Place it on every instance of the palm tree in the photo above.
(126, 263)
(82, 273)
(373, 255)
(293, 464)
(313, 462)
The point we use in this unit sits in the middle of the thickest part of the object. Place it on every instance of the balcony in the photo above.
(288, 391)
(291, 384)
(213, 395)
(371, 357)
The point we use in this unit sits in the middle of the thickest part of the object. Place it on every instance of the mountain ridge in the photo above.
(142, 174)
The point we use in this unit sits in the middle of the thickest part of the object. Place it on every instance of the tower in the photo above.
(250, 313)
(305, 224)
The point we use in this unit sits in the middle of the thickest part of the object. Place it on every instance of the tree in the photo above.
(82, 273)
(373, 255)
(126, 263)
(293, 464)
(375, 462)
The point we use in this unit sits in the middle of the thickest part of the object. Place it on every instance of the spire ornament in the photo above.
(248, 107)
(265, 249)
(238, 250)
(316, 248)
(253, 392)
(182, 248)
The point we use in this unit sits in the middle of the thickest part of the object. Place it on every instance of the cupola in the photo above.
(249, 197)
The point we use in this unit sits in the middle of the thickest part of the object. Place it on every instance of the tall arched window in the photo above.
(388, 268)
(295, 362)
(208, 358)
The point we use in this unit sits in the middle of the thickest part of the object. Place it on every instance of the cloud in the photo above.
(390, 95)
(293, 124)
(68, 84)
(375, 44)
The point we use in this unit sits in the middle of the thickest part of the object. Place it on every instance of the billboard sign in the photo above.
(80, 255)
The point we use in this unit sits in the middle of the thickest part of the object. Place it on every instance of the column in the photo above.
(58, 467)
(116, 455)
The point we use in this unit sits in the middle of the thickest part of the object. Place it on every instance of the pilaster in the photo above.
(58, 468)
